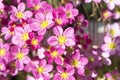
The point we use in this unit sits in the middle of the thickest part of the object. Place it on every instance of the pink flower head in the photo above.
(62, 39)
(70, 11)
(107, 14)
(8, 31)
(42, 22)
(79, 62)
(35, 4)
(54, 54)
(64, 74)
(20, 57)
(4, 48)
(21, 35)
(42, 69)
(113, 30)
(111, 3)
(34, 40)
(20, 13)
(110, 45)
(59, 16)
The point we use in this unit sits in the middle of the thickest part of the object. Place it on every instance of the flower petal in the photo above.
(58, 30)
(21, 7)
(52, 40)
(70, 42)
(68, 32)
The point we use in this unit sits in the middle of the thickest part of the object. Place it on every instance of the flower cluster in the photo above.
(41, 41)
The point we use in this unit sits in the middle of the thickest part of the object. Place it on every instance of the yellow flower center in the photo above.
(62, 39)
(40, 69)
(20, 15)
(34, 42)
(68, 13)
(64, 75)
(20, 55)
(2, 51)
(37, 7)
(54, 54)
(112, 45)
(1, 66)
(106, 14)
(112, 32)
(75, 63)
(25, 37)
(59, 21)
(44, 24)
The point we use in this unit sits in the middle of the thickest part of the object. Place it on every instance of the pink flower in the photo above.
(20, 13)
(70, 11)
(64, 74)
(79, 62)
(4, 51)
(113, 30)
(59, 16)
(21, 35)
(42, 22)
(62, 39)
(35, 4)
(20, 57)
(54, 54)
(42, 69)
(111, 3)
(110, 45)
(34, 40)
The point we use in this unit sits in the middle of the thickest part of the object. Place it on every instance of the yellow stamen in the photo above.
(44, 24)
(62, 39)
(59, 21)
(25, 37)
(112, 45)
(64, 75)
(2, 51)
(34, 42)
(68, 13)
(20, 15)
(20, 55)
(40, 69)
(54, 54)
(75, 63)
(112, 32)
(37, 7)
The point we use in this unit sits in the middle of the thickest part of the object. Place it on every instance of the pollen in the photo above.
(58, 21)
(54, 54)
(112, 45)
(20, 15)
(68, 13)
(34, 42)
(112, 32)
(44, 24)
(25, 37)
(20, 55)
(75, 63)
(2, 51)
(37, 7)
(40, 69)
(64, 75)
(62, 40)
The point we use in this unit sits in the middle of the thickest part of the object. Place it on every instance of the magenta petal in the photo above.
(76, 56)
(21, 7)
(26, 60)
(52, 40)
(58, 30)
(19, 65)
(48, 68)
(57, 77)
(43, 62)
(70, 42)
(41, 31)
(71, 78)
(19, 31)
(69, 32)
(70, 71)
(35, 26)
(60, 69)
(39, 16)
(58, 60)
(28, 14)
(46, 76)
(84, 61)
(75, 12)
(13, 17)
(6, 46)
(16, 40)
(69, 6)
